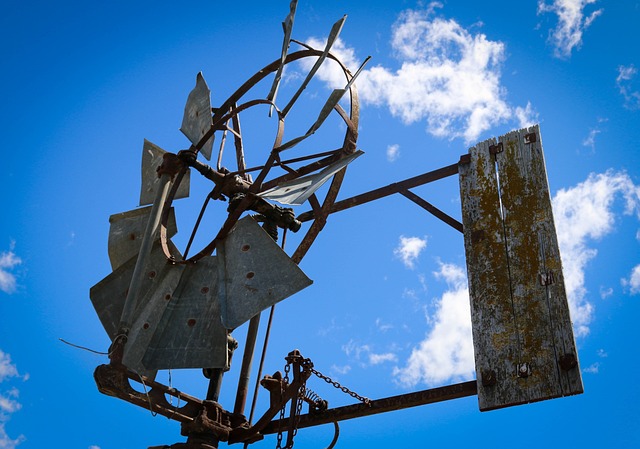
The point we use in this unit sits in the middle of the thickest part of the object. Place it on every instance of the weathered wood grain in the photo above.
(523, 339)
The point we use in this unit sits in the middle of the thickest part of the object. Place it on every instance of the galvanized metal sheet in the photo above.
(333, 36)
(108, 296)
(126, 232)
(287, 27)
(523, 339)
(151, 160)
(257, 273)
(197, 116)
(300, 189)
(190, 333)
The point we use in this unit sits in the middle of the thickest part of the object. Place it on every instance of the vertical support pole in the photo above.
(247, 361)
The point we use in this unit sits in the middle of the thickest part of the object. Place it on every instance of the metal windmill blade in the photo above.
(297, 191)
(190, 333)
(257, 273)
(109, 296)
(197, 116)
(287, 26)
(126, 232)
(151, 159)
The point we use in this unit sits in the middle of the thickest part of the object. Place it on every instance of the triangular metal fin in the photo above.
(196, 121)
(151, 159)
(257, 273)
(126, 232)
(190, 334)
(298, 190)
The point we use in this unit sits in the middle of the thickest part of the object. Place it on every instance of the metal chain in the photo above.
(344, 389)
(287, 368)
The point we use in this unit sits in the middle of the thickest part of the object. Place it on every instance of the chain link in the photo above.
(344, 389)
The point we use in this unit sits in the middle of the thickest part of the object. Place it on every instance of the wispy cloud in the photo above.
(584, 213)
(633, 281)
(409, 249)
(448, 77)
(446, 353)
(393, 152)
(8, 261)
(8, 401)
(626, 84)
(572, 22)
(365, 355)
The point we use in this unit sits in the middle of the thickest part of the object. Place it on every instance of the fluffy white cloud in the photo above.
(625, 82)
(448, 77)
(393, 152)
(446, 353)
(572, 22)
(8, 261)
(409, 249)
(634, 281)
(8, 402)
(582, 213)
(7, 369)
(365, 355)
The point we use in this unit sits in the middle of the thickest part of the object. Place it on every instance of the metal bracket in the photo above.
(495, 149)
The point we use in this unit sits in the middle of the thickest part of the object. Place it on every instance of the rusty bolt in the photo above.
(152, 274)
(250, 275)
(204, 290)
(523, 370)
(246, 248)
(191, 322)
(489, 378)
(132, 236)
(568, 361)
(167, 296)
(145, 326)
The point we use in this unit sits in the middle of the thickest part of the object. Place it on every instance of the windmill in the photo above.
(164, 307)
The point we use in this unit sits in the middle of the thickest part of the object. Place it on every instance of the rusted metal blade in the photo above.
(197, 116)
(190, 333)
(109, 295)
(257, 273)
(299, 190)
(126, 232)
(287, 25)
(151, 160)
(333, 36)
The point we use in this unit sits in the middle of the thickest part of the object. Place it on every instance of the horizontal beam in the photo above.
(374, 407)
(396, 187)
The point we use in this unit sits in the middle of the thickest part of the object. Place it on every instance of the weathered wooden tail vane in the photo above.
(165, 309)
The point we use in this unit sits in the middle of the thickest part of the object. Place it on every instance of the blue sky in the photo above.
(84, 83)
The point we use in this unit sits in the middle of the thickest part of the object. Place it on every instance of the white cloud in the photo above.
(634, 281)
(365, 355)
(393, 152)
(8, 402)
(590, 140)
(582, 213)
(7, 369)
(606, 292)
(446, 353)
(572, 22)
(94, 447)
(8, 261)
(447, 77)
(602, 353)
(592, 369)
(6, 442)
(409, 249)
(625, 83)
(526, 116)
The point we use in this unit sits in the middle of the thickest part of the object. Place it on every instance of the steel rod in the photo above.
(245, 370)
(389, 404)
(455, 224)
(396, 187)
